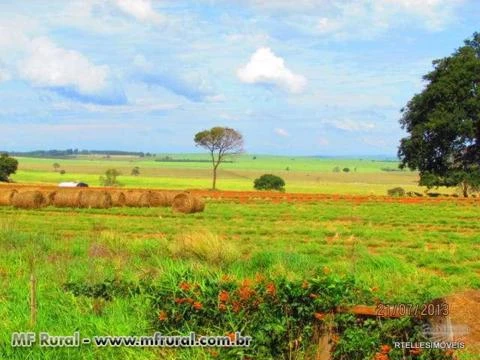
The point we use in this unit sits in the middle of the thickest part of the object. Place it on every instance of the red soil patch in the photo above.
(465, 311)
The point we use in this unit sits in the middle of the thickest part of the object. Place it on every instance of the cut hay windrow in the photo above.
(28, 200)
(118, 198)
(187, 203)
(67, 198)
(95, 199)
(6, 196)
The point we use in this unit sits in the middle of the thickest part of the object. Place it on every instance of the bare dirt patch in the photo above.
(465, 311)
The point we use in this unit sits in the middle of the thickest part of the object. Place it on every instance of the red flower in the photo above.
(223, 296)
(232, 337)
(385, 349)
(271, 289)
(197, 305)
(185, 286)
(179, 300)
(222, 307)
(319, 316)
(245, 292)
(162, 316)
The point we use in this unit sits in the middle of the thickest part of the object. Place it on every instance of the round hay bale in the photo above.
(158, 198)
(6, 196)
(95, 199)
(67, 198)
(137, 198)
(118, 199)
(145, 199)
(49, 197)
(199, 204)
(28, 200)
(187, 203)
(169, 196)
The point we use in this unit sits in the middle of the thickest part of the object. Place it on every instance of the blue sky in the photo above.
(304, 77)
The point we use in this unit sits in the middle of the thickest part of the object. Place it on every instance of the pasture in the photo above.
(304, 174)
(332, 239)
(410, 252)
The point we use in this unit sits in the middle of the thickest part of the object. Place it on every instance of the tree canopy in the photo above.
(220, 142)
(443, 122)
(8, 166)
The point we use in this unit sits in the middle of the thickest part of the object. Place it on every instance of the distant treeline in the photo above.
(75, 152)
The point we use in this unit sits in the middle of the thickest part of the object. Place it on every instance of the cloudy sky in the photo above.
(312, 77)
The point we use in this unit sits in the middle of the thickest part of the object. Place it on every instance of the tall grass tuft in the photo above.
(203, 245)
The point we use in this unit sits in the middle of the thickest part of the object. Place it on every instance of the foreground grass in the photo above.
(409, 252)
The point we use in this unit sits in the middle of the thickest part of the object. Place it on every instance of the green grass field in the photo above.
(304, 174)
(403, 252)
(410, 252)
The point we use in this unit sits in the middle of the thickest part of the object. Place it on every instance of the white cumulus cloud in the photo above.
(281, 132)
(52, 66)
(140, 9)
(265, 67)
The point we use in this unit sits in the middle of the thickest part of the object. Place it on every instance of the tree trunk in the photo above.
(465, 189)
(214, 178)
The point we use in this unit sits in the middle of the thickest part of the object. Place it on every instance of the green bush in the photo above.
(396, 191)
(269, 182)
(284, 317)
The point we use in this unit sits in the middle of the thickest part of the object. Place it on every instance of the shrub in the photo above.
(8, 166)
(396, 191)
(336, 169)
(135, 171)
(110, 178)
(269, 182)
(62, 172)
(346, 170)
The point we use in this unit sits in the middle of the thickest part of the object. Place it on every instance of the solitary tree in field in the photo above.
(220, 142)
(443, 122)
(8, 166)
(56, 166)
(110, 178)
(135, 171)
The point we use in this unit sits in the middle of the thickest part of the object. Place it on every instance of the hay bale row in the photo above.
(28, 200)
(73, 198)
(187, 203)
